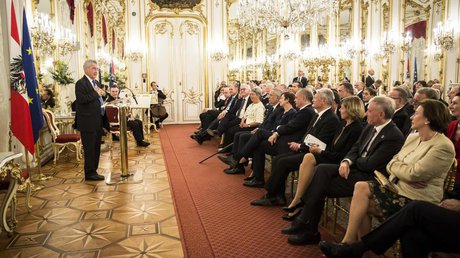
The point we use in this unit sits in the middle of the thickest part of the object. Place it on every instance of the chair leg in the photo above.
(10, 195)
(56, 153)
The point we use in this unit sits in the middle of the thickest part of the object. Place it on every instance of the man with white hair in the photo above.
(89, 116)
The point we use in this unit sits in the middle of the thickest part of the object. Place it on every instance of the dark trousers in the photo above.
(136, 128)
(232, 131)
(282, 165)
(249, 147)
(258, 158)
(207, 117)
(327, 183)
(91, 141)
(227, 123)
(239, 140)
(422, 227)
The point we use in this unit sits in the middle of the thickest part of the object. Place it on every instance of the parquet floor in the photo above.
(74, 218)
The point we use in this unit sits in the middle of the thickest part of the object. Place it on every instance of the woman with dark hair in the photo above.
(352, 112)
(453, 132)
(417, 172)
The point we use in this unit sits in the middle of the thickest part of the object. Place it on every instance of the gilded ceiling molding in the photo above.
(176, 4)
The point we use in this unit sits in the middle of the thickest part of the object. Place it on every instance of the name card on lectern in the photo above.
(143, 101)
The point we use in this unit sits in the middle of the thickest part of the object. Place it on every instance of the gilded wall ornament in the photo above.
(192, 96)
(191, 28)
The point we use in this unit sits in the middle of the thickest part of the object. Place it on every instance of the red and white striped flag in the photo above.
(21, 124)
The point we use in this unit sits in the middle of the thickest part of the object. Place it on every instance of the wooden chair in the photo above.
(62, 141)
(11, 176)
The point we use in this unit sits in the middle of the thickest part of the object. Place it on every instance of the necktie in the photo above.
(100, 99)
(368, 143)
(240, 110)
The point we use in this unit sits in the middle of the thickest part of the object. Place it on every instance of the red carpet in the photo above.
(214, 214)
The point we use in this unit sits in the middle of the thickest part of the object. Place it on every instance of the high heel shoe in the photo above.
(293, 208)
(288, 217)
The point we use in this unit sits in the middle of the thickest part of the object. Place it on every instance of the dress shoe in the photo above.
(293, 208)
(197, 138)
(338, 250)
(115, 138)
(94, 177)
(269, 201)
(293, 215)
(249, 178)
(304, 238)
(235, 170)
(228, 160)
(254, 183)
(142, 144)
(296, 227)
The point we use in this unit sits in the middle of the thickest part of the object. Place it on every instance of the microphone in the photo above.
(134, 95)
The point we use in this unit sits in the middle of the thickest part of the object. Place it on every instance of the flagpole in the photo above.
(40, 176)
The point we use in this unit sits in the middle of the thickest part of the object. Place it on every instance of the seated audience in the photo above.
(323, 126)
(135, 124)
(47, 98)
(368, 94)
(452, 92)
(417, 172)
(352, 110)
(421, 226)
(244, 146)
(223, 101)
(252, 118)
(377, 144)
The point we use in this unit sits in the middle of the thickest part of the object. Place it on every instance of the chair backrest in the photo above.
(112, 115)
(51, 122)
(450, 178)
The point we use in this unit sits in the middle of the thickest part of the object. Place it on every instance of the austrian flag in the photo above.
(26, 110)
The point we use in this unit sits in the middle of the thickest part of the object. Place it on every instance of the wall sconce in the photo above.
(406, 42)
(43, 30)
(435, 51)
(66, 41)
(135, 52)
(102, 57)
(443, 35)
(388, 46)
(218, 52)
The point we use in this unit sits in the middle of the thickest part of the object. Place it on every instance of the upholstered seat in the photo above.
(62, 141)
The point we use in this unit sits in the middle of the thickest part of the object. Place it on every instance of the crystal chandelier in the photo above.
(284, 16)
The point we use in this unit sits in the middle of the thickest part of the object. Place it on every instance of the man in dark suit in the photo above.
(323, 126)
(47, 98)
(90, 113)
(278, 142)
(359, 86)
(422, 227)
(370, 78)
(378, 143)
(136, 125)
(400, 117)
(301, 79)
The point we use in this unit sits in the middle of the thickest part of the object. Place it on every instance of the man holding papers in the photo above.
(321, 131)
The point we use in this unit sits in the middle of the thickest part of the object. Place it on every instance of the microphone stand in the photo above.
(134, 95)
